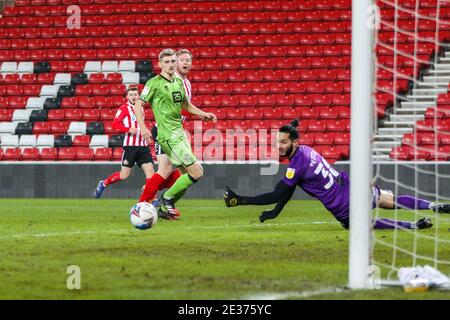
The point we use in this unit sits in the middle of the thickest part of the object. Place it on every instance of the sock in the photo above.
(409, 202)
(151, 187)
(179, 196)
(170, 180)
(392, 224)
(179, 187)
(115, 177)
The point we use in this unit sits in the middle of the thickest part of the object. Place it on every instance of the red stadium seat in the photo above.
(84, 154)
(117, 154)
(58, 127)
(48, 154)
(72, 115)
(90, 114)
(30, 154)
(81, 141)
(41, 127)
(107, 114)
(13, 154)
(97, 78)
(6, 115)
(103, 154)
(86, 102)
(66, 154)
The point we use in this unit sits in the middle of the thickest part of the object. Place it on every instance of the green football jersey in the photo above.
(165, 97)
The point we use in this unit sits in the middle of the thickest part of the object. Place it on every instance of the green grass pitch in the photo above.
(214, 252)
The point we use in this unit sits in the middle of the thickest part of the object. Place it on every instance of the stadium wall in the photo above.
(78, 180)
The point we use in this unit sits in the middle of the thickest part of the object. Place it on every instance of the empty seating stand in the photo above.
(257, 64)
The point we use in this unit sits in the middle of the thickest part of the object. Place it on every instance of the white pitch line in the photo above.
(293, 294)
(218, 227)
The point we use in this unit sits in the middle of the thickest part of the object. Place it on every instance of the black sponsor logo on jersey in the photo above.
(177, 96)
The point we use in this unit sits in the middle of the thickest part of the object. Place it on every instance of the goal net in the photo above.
(411, 136)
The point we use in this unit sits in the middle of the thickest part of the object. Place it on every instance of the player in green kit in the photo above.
(167, 97)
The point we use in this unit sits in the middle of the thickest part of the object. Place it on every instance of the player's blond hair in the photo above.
(166, 53)
(183, 51)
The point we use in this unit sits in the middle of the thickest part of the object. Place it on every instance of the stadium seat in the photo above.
(45, 141)
(8, 67)
(8, 127)
(84, 154)
(9, 141)
(21, 115)
(103, 154)
(30, 154)
(117, 153)
(127, 66)
(35, 103)
(81, 141)
(12, 154)
(90, 114)
(48, 154)
(110, 66)
(27, 141)
(76, 128)
(62, 79)
(6, 115)
(66, 154)
(99, 141)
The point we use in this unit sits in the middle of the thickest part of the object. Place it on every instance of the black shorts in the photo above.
(158, 150)
(138, 155)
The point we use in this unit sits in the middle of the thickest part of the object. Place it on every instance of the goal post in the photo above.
(360, 145)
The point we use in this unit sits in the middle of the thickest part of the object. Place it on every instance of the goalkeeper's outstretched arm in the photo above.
(273, 213)
(233, 199)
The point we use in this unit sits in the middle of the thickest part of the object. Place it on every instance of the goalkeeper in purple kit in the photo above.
(314, 175)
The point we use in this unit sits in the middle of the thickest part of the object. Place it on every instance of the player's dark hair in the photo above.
(291, 129)
(132, 89)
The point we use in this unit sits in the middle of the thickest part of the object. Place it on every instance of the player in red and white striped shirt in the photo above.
(165, 177)
(135, 148)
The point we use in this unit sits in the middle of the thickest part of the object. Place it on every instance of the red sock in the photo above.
(151, 187)
(115, 177)
(170, 180)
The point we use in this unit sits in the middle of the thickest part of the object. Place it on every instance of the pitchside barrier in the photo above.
(79, 179)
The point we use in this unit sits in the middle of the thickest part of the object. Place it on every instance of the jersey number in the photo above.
(327, 172)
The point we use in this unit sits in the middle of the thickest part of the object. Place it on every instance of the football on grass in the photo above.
(143, 215)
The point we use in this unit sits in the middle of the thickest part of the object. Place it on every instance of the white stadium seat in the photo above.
(25, 67)
(62, 78)
(49, 90)
(76, 128)
(110, 66)
(9, 67)
(45, 141)
(21, 115)
(130, 77)
(92, 67)
(127, 66)
(27, 141)
(9, 141)
(99, 141)
(35, 103)
(8, 127)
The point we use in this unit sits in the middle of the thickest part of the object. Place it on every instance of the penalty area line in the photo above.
(293, 294)
(130, 231)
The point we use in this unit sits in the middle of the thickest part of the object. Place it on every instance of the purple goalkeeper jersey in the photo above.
(311, 172)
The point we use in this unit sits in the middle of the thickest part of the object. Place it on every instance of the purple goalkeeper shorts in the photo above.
(376, 192)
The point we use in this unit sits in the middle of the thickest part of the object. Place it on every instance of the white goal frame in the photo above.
(360, 146)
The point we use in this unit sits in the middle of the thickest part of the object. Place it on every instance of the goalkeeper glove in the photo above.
(231, 198)
(268, 214)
